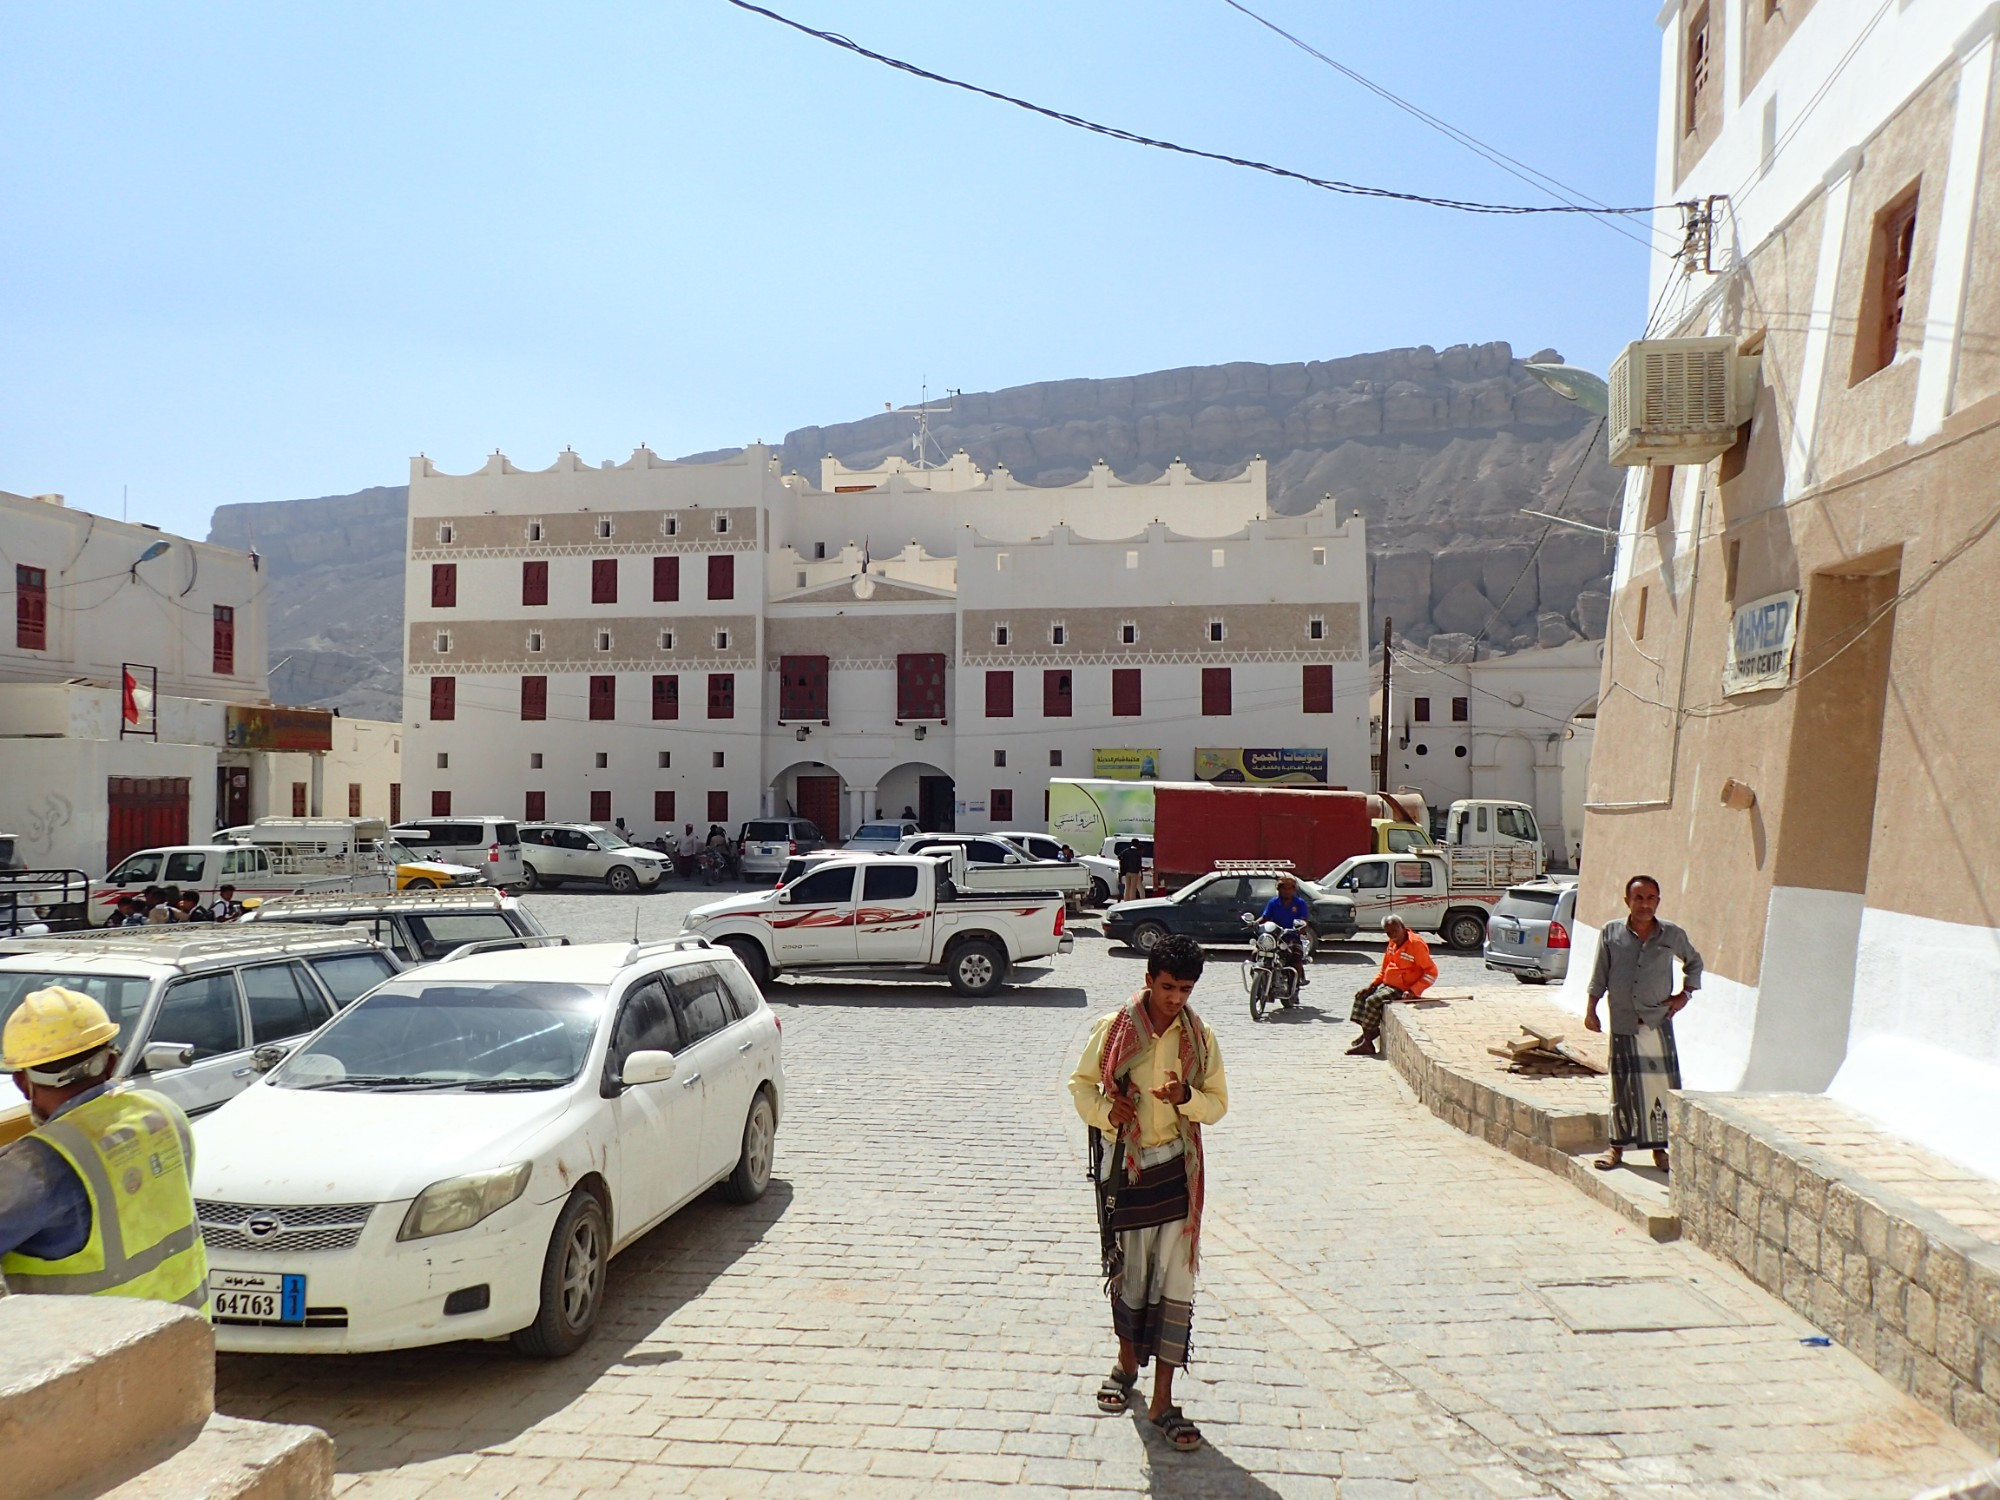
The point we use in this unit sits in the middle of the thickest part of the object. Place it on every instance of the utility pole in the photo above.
(1382, 757)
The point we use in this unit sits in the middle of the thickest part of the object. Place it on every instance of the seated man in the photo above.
(1407, 971)
(1289, 910)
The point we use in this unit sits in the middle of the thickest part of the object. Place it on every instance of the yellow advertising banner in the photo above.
(1125, 765)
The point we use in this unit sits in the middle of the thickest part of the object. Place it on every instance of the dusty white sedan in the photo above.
(460, 1153)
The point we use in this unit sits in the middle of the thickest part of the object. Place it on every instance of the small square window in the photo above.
(603, 760)
(1215, 630)
(802, 578)
(534, 640)
(1217, 557)
(1131, 559)
(1319, 557)
(444, 760)
(722, 640)
(604, 526)
(534, 531)
(443, 641)
(1000, 635)
(1461, 710)
(666, 760)
(670, 526)
(603, 640)
(1055, 757)
(534, 760)
(1058, 635)
(718, 760)
(1000, 562)
(446, 534)
(1128, 633)
(1316, 628)
(1000, 758)
(666, 640)
(721, 524)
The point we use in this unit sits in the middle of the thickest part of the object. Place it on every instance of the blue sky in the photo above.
(266, 251)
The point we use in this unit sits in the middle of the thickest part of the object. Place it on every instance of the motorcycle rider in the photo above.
(1288, 909)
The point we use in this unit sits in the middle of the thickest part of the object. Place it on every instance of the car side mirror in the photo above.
(649, 1065)
(270, 1055)
(785, 896)
(166, 1057)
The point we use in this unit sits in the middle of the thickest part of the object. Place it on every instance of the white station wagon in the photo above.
(461, 1153)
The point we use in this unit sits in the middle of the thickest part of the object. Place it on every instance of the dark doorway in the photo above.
(935, 811)
(232, 796)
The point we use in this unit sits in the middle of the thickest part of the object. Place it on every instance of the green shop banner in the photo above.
(1290, 767)
(1125, 765)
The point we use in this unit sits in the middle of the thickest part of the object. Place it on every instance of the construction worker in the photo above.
(98, 1199)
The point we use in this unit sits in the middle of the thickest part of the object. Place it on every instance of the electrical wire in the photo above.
(1078, 122)
(1539, 180)
(1576, 473)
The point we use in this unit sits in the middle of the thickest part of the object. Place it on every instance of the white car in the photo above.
(460, 1154)
(552, 853)
(880, 838)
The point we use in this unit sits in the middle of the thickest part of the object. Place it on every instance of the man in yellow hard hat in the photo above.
(98, 1199)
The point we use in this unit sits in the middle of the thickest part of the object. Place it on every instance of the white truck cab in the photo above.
(1483, 823)
(1449, 891)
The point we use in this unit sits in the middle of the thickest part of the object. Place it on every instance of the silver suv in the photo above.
(1528, 934)
(554, 852)
(766, 843)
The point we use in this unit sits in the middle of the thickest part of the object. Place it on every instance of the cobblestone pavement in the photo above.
(914, 1307)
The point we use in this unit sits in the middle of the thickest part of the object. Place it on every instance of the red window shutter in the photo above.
(1125, 693)
(718, 808)
(722, 576)
(534, 697)
(354, 799)
(536, 809)
(1215, 691)
(225, 640)
(604, 697)
(31, 608)
(1461, 710)
(666, 580)
(298, 799)
(1423, 710)
(1001, 803)
(667, 695)
(802, 687)
(444, 697)
(920, 685)
(1056, 693)
(604, 580)
(444, 585)
(1000, 694)
(534, 583)
(440, 804)
(395, 802)
(600, 807)
(663, 807)
(722, 695)
(1318, 689)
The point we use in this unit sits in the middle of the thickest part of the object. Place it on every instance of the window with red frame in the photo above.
(354, 799)
(920, 685)
(536, 807)
(298, 799)
(440, 804)
(722, 577)
(718, 808)
(802, 687)
(225, 640)
(1318, 689)
(1215, 692)
(534, 583)
(1125, 693)
(600, 807)
(666, 580)
(395, 802)
(1422, 710)
(722, 695)
(444, 697)
(604, 580)
(444, 585)
(667, 695)
(663, 807)
(1000, 694)
(534, 697)
(31, 608)
(1056, 693)
(1461, 710)
(1001, 801)
(604, 697)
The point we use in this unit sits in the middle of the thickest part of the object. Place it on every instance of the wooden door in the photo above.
(146, 812)
(819, 802)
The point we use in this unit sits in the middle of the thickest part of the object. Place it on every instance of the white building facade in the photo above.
(703, 643)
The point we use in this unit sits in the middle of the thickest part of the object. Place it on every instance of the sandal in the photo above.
(1660, 1163)
(1116, 1389)
(1178, 1430)
(1365, 1047)
(1611, 1161)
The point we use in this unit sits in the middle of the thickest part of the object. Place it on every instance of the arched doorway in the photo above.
(812, 790)
(924, 790)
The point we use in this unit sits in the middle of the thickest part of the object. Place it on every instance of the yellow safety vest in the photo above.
(131, 1148)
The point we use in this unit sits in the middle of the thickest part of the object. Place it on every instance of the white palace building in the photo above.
(673, 643)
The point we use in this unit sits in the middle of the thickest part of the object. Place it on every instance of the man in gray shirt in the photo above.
(1635, 967)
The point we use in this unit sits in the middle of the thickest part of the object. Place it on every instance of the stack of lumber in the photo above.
(1546, 1055)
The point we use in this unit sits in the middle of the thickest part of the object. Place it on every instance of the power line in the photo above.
(1328, 184)
(1589, 448)
(1539, 180)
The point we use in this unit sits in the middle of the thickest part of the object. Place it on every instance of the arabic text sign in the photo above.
(1761, 638)
(1125, 764)
(1261, 766)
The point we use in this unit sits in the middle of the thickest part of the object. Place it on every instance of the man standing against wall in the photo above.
(1635, 967)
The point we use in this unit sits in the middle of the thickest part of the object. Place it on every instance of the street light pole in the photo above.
(1382, 750)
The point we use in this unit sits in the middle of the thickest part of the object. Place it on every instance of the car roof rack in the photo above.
(493, 945)
(452, 898)
(170, 943)
(685, 942)
(1254, 867)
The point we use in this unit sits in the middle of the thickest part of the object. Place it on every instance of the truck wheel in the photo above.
(976, 968)
(572, 1280)
(1465, 930)
(529, 879)
(752, 958)
(1100, 893)
(621, 880)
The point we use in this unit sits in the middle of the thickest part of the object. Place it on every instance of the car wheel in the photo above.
(1100, 893)
(1465, 931)
(976, 968)
(621, 880)
(573, 1274)
(529, 879)
(753, 1167)
(1147, 936)
(1532, 978)
(421, 884)
(752, 958)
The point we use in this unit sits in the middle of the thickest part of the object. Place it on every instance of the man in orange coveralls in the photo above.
(1407, 971)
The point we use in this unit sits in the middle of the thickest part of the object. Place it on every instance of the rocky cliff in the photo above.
(1439, 451)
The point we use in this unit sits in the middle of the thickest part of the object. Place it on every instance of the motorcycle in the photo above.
(711, 865)
(1269, 973)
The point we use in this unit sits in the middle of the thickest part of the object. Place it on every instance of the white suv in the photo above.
(490, 844)
(554, 852)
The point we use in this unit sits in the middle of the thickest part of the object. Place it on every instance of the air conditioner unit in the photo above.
(1679, 401)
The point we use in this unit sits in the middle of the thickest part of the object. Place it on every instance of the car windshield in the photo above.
(123, 996)
(465, 1034)
(397, 852)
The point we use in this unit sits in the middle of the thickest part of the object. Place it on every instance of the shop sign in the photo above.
(254, 726)
(1761, 638)
(1125, 765)
(1288, 767)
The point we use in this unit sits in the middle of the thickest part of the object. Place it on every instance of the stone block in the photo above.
(1906, 1248)
(1802, 1236)
(1857, 1280)
(1989, 1365)
(1833, 1253)
(1920, 1317)
(1958, 1344)
(1736, 1150)
(1761, 1157)
(1810, 1195)
(1983, 1297)
(238, 1460)
(1979, 1418)
(1893, 1357)
(1784, 1175)
(1888, 1296)
(1829, 1308)
(1769, 1269)
(1743, 1245)
(1771, 1219)
(1931, 1382)
(1944, 1273)
(1749, 1200)
(1840, 1206)
(1871, 1230)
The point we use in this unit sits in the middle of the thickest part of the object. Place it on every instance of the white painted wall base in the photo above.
(1800, 1035)
(1939, 1099)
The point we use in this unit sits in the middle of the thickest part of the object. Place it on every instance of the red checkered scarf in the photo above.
(1131, 1036)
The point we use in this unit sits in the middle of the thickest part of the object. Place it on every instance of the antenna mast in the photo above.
(921, 441)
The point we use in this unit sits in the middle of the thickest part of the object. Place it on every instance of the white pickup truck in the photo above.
(1106, 885)
(886, 914)
(1449, 891)
(995, 862)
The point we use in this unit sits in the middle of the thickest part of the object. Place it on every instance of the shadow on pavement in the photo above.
(1205, 1474)
(387, 1410)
